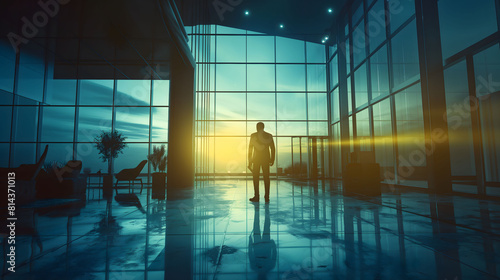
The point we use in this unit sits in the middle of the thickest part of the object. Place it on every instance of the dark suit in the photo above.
(261, 153)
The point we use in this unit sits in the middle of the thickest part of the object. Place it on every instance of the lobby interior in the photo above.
(382, 113)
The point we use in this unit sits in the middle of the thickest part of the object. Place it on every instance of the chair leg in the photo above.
(116, 186)
(141, 186)
(129, 186)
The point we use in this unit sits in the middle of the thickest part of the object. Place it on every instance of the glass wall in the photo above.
(68, 114)
(279, 81)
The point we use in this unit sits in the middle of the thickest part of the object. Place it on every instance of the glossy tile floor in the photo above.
(307, 231)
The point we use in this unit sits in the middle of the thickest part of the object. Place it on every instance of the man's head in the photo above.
(260, 126)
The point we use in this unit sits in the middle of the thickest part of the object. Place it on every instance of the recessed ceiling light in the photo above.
(330, 10)
(282, 26)
(247, 13)
(323, 41)
(326, 38)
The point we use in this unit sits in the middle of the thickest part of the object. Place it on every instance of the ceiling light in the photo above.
(326, 38)
(323, 41)
(282, 26)
(330, 10)
(247, 13)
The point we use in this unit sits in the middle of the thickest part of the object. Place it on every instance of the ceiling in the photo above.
(304, 20)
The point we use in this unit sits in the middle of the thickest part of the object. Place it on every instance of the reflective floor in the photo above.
(307, 231)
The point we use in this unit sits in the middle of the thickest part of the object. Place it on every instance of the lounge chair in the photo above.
(130, 175)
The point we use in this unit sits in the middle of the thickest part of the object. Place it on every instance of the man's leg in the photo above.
(256, 175)
(267, 181)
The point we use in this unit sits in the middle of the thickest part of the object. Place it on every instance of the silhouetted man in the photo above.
(259, 157)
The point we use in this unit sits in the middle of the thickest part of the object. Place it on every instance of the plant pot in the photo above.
(107, 186)
(159, 185)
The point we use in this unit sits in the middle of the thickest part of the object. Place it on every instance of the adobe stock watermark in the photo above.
(40, 19)
(223, 6)
(456, 115)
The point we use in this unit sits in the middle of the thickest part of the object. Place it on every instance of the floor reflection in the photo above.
(307, 231)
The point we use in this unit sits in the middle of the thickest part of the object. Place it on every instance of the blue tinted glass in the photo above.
(159, 130)
(230, 106)
(133, 123)
(291, 77)
(316, 53)
(6, 98)
(96, 92)
(133, 92)
(376, 25)
(405, 61)
(58, 124)
(335, 105)
(361, 86)
(261, 106)
(316, 77)
(31, 72)
(289, 50)
(291, 106)
(60, 92)
(93, 120)
(5, 124)
(487, 71)
(260, 49)
(317, 103)
(334, 72)
(87, 153)
(358, 11)
(57, 153)
(7, 66)
(26, 123)
(230, 77)
(260, 77)
(464, 23)
(229, 30)
(161, 92)
(399, 12)
(132, 155)
(358, 44)
(231, 49)
(380, 73)
(23, 153)
(4, 154)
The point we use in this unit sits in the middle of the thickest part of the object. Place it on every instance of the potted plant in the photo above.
(158, 160)
(109, 145)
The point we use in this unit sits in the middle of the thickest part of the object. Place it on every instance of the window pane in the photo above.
(318, 128)
(316, 77)
(380, 73)
(382, 129)
(231, 49)
(159, 130)
(4, 154)
(230, 128)
(7, 66)
(133, 123)
(92, 121)
(60, 92)
(291, 106)
(405, 61)
(269, 127)
(96, 92)
(261, 106)
(230, 77)
(260, 49)
(5, 124)
(334, 72)
(23, 154)
(31, 72)
(292, 129)
(284, 155)
(229, 30)
(289, 50)
(335, 105)
(315, 53)
(487, 71)
(376, 25)
(400, 11)
(58, 124)
(230, 155)
(361, 89)
(260, 77)
(26, 123)
(291, 78)
(230, 106)
(358, 11)
(363, 130)
(317, 103)
(359, 44)
(87, 153)
(60, 153)
(161, 92)
(132, 155)
(464, 23)
(133, 92)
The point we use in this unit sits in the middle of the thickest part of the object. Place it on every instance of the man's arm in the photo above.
(273, 151)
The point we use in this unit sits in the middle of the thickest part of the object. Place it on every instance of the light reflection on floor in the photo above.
(307, 231)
